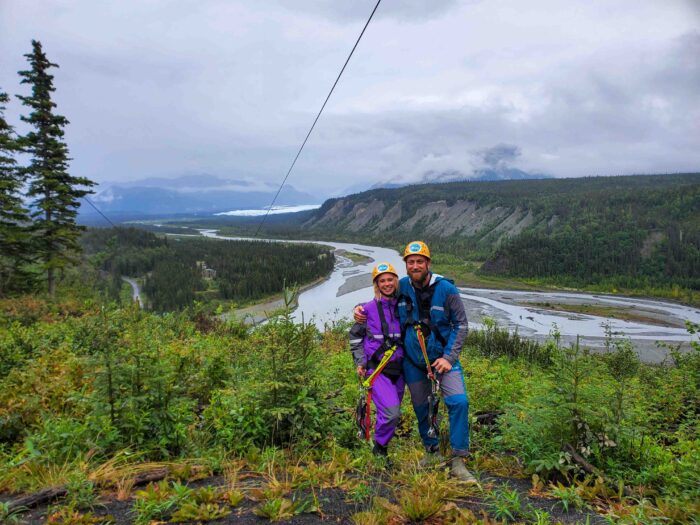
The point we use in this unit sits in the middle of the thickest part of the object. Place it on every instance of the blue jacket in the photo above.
(447, 316)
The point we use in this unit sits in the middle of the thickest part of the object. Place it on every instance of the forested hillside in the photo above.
(179, 271)
(631, 232)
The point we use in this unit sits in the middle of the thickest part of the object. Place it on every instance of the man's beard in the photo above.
(419, 277)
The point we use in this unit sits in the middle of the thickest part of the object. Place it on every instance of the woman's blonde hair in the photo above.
(378, 294)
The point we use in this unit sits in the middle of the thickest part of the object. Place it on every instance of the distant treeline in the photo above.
(633, 232)
(174, 268)
(542, 196)
(625, 236)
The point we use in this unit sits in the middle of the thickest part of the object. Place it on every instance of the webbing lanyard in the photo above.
(433, 398)
(387, 355)
(421, 342)
(367, 384)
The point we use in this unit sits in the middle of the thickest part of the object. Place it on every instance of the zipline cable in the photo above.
(316, 120)
(98, 211)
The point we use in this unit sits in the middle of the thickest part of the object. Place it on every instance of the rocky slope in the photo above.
(493, 210)
(597, 226)
(433, 219)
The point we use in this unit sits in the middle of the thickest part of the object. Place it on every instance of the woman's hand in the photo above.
(359, 314)
(361, 371)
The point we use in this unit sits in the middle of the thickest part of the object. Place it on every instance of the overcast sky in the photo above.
(230, 88)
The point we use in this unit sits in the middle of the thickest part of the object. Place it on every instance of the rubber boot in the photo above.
(432, 458)
(460, 471)
(380, 450)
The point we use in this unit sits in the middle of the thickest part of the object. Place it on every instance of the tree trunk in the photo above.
(50, 494)
(51, 279)
(33, 500)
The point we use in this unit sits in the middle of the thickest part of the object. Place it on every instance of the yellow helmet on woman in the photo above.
(416, 248)
(381, 268)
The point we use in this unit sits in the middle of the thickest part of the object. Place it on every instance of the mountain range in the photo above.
(204, 194)
(481, 174)
(188, 195)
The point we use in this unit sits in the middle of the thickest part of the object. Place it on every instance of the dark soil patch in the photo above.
(551, 505)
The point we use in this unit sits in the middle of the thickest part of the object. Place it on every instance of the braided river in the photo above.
(534, 315)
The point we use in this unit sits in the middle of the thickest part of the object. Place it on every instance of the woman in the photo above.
(370, 342)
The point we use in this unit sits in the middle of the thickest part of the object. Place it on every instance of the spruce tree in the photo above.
(56, 192)
(14, 218)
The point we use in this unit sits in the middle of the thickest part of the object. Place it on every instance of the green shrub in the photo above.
(566, 409)
(505, 504)
(279, 400)
(494, 342)
(62, 439)
(494, 383)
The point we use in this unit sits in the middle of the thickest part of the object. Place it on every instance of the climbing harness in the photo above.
(364, 405)
(363, 425)
(422, 327)
(380, 365)
(391, 370)
(434, 397)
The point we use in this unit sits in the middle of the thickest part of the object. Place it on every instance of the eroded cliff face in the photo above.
(633, 230)
(436, 219)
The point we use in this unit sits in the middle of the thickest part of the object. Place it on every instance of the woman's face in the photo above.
(386, 283)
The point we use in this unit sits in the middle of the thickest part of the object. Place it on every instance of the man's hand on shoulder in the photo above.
(359, 314)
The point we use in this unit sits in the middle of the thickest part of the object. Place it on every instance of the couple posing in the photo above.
(422, 316)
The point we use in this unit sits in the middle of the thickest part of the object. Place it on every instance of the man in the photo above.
(430, 305)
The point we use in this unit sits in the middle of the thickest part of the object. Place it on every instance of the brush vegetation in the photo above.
(92, 395)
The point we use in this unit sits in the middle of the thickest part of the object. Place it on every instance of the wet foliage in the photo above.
(90, 400)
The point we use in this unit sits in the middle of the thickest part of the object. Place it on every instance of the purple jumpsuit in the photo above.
(386, 394)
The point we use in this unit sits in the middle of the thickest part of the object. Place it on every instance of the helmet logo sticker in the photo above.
(415, 247)
(382, 267)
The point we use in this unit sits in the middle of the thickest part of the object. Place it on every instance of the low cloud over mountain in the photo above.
(189, 194)
(493, 163)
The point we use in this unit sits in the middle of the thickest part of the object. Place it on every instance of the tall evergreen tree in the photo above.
(56, 192)
(14, 218)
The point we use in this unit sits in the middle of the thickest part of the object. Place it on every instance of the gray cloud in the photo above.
(359, 10)
(500, 155)
(164, 88)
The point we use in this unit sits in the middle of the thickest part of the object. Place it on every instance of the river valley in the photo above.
(532, 314)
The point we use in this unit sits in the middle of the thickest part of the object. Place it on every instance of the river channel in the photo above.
(524, 311)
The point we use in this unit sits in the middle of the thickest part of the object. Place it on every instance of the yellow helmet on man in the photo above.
(416, 248)
(381, 268)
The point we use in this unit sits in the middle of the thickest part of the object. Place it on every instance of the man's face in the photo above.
(417, 268)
